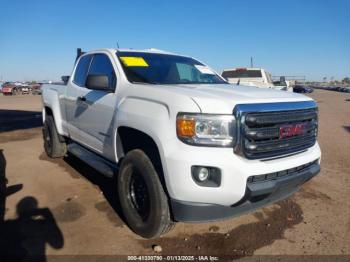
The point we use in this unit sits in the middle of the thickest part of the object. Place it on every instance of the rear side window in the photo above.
(241, 73)
(101, 65)
(81, 70)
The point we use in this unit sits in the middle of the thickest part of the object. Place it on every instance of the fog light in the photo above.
(206, 176)
(203, 174)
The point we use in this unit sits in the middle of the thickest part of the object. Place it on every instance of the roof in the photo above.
(149, 50)
(245, 68)
(112, 51)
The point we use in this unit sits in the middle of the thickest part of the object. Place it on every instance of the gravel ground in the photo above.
(73, 210)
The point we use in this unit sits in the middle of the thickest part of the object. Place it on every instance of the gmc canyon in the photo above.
(180, 143)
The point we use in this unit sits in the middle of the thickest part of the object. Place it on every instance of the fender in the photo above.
(149, 116)
(154, 118)
(153, 114)
(51, 99)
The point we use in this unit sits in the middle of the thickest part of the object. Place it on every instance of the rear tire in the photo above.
(54, 148)
(142, 197)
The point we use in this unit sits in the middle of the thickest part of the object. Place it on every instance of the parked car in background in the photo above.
(343, 89)
(10, 89)
(257, 77)
(36, 89)
(25, 90)
(302, 89)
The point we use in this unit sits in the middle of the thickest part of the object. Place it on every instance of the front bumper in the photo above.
(235, 171)
(257, 195)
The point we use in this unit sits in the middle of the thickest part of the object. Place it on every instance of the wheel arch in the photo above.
(130, 138)
(47, 111)
(52, 107)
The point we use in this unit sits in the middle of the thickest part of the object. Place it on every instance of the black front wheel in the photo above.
(142, 197)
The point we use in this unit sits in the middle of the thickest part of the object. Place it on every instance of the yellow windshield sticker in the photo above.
(133, 61)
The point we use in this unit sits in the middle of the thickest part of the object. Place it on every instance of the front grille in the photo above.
(277, 175)
(262, 138)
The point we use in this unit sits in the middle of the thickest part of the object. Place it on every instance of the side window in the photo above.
(81, 70)
(101, 65)
(185, 71)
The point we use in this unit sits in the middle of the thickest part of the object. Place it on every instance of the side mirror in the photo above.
(97, 82)
(65, 79)
(283, 80)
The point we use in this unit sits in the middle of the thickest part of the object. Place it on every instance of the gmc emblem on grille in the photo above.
(292, 130)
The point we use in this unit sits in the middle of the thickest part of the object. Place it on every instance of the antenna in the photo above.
(117, 44)
(251, 62)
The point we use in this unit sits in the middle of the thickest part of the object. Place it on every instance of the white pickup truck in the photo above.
(180, 142)
(251, 76)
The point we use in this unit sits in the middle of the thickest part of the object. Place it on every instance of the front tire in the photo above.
(54, 148)
(142, 197)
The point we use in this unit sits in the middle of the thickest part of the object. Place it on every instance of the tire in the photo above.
(142, 197)
(54, 148)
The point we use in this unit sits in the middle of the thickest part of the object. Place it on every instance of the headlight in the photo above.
(206, 130)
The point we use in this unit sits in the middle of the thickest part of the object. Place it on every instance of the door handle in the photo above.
(82, 98)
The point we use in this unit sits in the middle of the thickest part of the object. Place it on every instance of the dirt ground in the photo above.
(73, 209)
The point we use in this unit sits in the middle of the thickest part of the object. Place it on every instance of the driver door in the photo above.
(96, 108)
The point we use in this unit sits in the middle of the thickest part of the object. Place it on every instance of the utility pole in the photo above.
(251, 62)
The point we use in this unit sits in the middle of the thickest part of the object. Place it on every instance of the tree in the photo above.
(346, 80)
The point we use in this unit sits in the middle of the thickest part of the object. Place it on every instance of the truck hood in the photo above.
(222, 98)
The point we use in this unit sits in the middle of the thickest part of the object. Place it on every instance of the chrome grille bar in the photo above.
(260, 125)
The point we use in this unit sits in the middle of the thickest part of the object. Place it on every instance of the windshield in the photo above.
(154, 68)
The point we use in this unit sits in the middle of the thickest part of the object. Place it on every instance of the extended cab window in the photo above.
(241, 73)
(101, 65)
(81, 70)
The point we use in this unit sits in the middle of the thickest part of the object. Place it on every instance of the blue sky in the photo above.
(38, 39)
